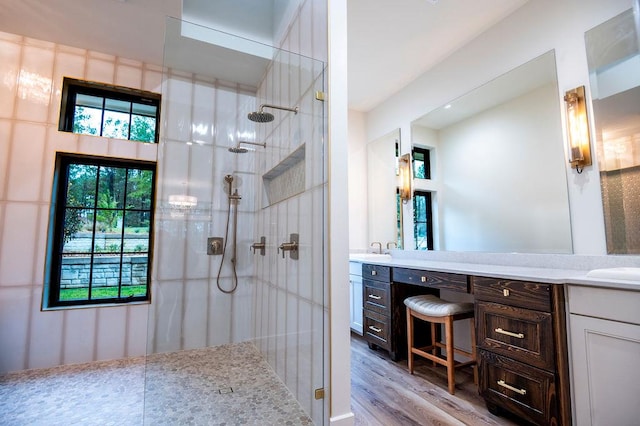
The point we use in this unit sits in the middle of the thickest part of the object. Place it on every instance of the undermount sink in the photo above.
(626, 274)
(369, 256)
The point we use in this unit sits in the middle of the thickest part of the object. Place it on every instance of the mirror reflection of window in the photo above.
(421, 163)
(422, 220)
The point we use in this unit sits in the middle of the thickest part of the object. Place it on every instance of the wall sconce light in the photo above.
(404, 166)
(578, 129)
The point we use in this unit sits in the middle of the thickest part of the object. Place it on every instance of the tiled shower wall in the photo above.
(289, 307)
(31, 73)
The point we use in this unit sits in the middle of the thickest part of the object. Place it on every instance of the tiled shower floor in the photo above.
(225, 385)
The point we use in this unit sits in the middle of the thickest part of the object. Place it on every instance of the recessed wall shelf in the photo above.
(287, 178)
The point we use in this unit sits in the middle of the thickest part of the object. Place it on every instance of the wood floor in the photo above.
(384, 393)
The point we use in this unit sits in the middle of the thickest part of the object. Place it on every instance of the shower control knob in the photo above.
(259, 246)
(291, 247)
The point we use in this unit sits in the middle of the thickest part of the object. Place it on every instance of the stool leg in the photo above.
(472, 324)
(410, 340)
(451, 371)
(434, 339)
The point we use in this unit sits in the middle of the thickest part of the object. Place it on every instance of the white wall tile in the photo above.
(34, 84)
(147, 151)
(18, 244)
(14, 317)
(176, 110)
(306, 239)
(152, 79)
(5, 144)
(100, 68)
(93, 145)
(9, 70)
(46, 331)
(291, 374)
(128, 75)
(281, 330)
(137, 329)
(169, 249)
(110, 327)
(79, 336)
(122, 148)
(25, 164)
(168, 306)
(219, 313)
(67, 64)
(195, 314)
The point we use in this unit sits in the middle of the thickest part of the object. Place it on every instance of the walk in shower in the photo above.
(243, 147)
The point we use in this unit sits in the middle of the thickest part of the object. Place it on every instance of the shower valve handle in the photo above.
(291, 247)
(259, 246)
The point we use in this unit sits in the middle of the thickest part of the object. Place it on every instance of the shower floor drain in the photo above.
(225, 390)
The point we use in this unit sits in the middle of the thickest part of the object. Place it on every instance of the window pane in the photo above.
(137, 283)
(81, 186)
(116, 125)
(77, 231)
(109, 231)
(420, 208)
(105, 277)
(112, 187)
(136, 232)
(144, 109)
(418, 169)
(117, 105)
(87, 121)
(421, 236)
(89, 101)
(139, 184)
(143, 128)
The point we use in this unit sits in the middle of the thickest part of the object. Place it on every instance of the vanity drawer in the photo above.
(519, 388)
(376, 329)
(522, 334)
(376, 272)
(375, 296)
(440, 280)
(524, 294)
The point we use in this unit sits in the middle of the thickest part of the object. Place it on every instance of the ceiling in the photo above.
(390, 43)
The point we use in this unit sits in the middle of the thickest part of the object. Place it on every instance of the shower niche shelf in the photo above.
(287, 178)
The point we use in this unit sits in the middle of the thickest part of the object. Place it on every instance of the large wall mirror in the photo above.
(384, 218)
(499, 180)
(613, 53)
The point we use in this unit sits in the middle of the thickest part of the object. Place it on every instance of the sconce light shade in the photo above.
(405, 177)
(578, 129)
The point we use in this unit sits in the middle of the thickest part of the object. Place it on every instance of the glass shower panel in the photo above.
(236, 335)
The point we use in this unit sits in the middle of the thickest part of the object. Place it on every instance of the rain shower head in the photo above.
(241, 150)
(238, 150)
(261, 117)
(265, 117)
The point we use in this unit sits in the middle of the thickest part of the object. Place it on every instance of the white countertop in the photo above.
(516, 272)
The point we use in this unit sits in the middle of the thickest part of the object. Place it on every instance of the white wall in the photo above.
(536, 28)
(358, 198)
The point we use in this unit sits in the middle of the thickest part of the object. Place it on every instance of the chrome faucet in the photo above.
(395, 245)
(379, 246)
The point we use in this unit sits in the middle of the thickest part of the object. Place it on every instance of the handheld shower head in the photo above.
(265, 117)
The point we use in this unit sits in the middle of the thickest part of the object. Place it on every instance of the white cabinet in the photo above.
(355, 296)
(605, 354)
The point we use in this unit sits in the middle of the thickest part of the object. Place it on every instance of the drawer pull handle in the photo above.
(508, 333)
(423, 279)
(374, 297)
(374, 273)
(505, 292)
(516, 390)
(376, 329)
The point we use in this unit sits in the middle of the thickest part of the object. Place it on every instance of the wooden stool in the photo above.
(436, 311)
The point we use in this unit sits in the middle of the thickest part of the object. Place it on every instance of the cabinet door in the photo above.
(356, 303)
(606, 377)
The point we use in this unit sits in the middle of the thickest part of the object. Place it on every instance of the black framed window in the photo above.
(109, 111)
(421, 163)
(99, 248)
(422, 220)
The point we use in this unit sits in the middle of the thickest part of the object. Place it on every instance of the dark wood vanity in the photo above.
(521, 335)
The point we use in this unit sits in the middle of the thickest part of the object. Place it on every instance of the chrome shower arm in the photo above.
(293, 110)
